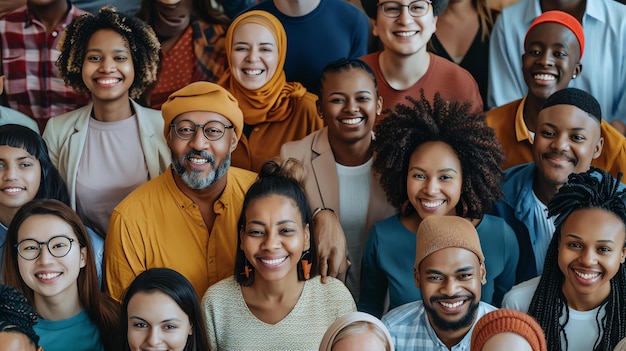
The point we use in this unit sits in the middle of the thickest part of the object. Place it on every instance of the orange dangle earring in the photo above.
(304, 266)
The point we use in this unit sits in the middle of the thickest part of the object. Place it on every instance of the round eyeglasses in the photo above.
(393, 9)
(58, 246)
(212, 130)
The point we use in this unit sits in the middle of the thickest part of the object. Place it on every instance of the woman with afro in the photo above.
(111, 146)
(438, 159)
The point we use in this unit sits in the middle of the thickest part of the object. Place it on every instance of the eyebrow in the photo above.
(19, 158)
(163, 321)
(438, 171)
(598, 241)
(458, 270)
(555, 127)
(246, 43)
(114, 50)
(278, 223)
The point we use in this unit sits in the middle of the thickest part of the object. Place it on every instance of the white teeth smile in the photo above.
(13, 190)
(108, 81)
(451, 305)
(405, 34)
(352, 121)
(253, 72)
(274, 262)
(198, 161)
(544, 77)
(432, 204)
(47, 275)
(587, 275)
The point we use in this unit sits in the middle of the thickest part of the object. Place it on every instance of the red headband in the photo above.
(562, 18)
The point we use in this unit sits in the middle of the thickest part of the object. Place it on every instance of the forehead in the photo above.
(547, 31)
(142, 305)
(567, 117)
(8, 152)
(437, 151)
(42, 227)
(253, 32)
(107, 35)
(595, 224)
(201, 117)
(356, 79)
(450, 260)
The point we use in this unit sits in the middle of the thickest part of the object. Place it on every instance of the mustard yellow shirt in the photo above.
(158, 226)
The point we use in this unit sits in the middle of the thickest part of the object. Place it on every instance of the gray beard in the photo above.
(192, 178)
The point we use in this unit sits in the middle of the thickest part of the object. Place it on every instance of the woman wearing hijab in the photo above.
(275, 111)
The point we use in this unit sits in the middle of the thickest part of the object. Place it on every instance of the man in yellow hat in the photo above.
(186, 218)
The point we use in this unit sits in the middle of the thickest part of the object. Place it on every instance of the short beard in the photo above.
(192, 178)
(447, 326)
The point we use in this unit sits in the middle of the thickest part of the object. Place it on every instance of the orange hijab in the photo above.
(272, 102)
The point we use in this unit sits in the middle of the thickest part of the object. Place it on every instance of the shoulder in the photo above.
(404, 314)
(520, 295)
(496, 229)
(221, 290)
(503, 116)
(240, 178)
(300, 148)
(68, 119)
(521, 173)
(145, 194)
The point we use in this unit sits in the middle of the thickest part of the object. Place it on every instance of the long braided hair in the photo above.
(592, 189)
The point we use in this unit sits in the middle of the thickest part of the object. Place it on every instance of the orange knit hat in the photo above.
(504, 320)
(564, 18)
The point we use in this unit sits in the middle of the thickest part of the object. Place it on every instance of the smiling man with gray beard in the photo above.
(186, 219)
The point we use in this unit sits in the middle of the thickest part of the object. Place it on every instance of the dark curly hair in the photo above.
(142, 42)
(17, 314)
(593, 189)
(371, 7)
(448, 121)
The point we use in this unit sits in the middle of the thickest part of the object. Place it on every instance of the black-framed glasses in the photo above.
(393, 9)
(212, 130)
(58, 246)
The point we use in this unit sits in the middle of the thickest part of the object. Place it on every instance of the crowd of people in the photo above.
(312, 175)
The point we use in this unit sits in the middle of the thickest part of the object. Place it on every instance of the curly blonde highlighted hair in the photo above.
(141, 39)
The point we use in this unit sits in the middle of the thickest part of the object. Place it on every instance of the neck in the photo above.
(278, 291)
(544, 190)
(459, 8)
(351, 154)
(6, 215)
(402, 72)
(207, 195)
(59, 307)
(451, 338)
(112, 111)
(584, 303)
(532, 106)
(575, 8)
(50, 15)
(296, 8)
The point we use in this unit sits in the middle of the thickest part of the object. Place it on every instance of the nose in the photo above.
(560, 143)
(199, 141)
(432, 186)
(9, 173)
(545, 59)
(352, 105)
(154, 336)
(449, 287)
(253, 55)
(108, 65)
(44, 256)
(272, 240)
(588, 257)
(405, 17)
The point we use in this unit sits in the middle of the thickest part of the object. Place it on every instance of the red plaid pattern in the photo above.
(32, 83)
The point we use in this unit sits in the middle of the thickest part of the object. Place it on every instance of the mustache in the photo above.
(203, 154)
(562, 154)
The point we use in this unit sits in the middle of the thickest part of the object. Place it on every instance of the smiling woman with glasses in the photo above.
(393, 9)
(49, 257)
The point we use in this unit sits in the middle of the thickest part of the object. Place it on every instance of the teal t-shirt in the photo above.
(77, 333)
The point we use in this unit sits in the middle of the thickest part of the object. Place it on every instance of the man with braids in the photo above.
(108, 148)
(17, 318)
(438, 159)
(579, 299)
(568, 138)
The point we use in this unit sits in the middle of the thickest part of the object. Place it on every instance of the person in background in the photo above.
(113, 145)
(357, 331)
(275, 111)
(449, 270)
(579, 298)
(11, 116)
(462, 37)
(318, 33)
(338, 158)
(404, 67)
(27, 173)
(192, 34)
(605, 67)
(178, 322)
(17, 319)
(51, 260)
(553, 47)
(438, 159)
(507, 329)
(275, 300)
(568, 139)
(33, 84)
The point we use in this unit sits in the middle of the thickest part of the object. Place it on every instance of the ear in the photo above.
(241, 234)
(319, 108)
(578, 68)
(1, 84)
(483, 274)
(623, 256)
(374, 28)
(307, 238)
(234, 141)
(379, 105)
(190, 330)
(416, 275)
(598, 148)
(83, 257)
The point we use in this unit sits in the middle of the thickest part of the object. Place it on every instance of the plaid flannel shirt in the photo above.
(29, 53)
